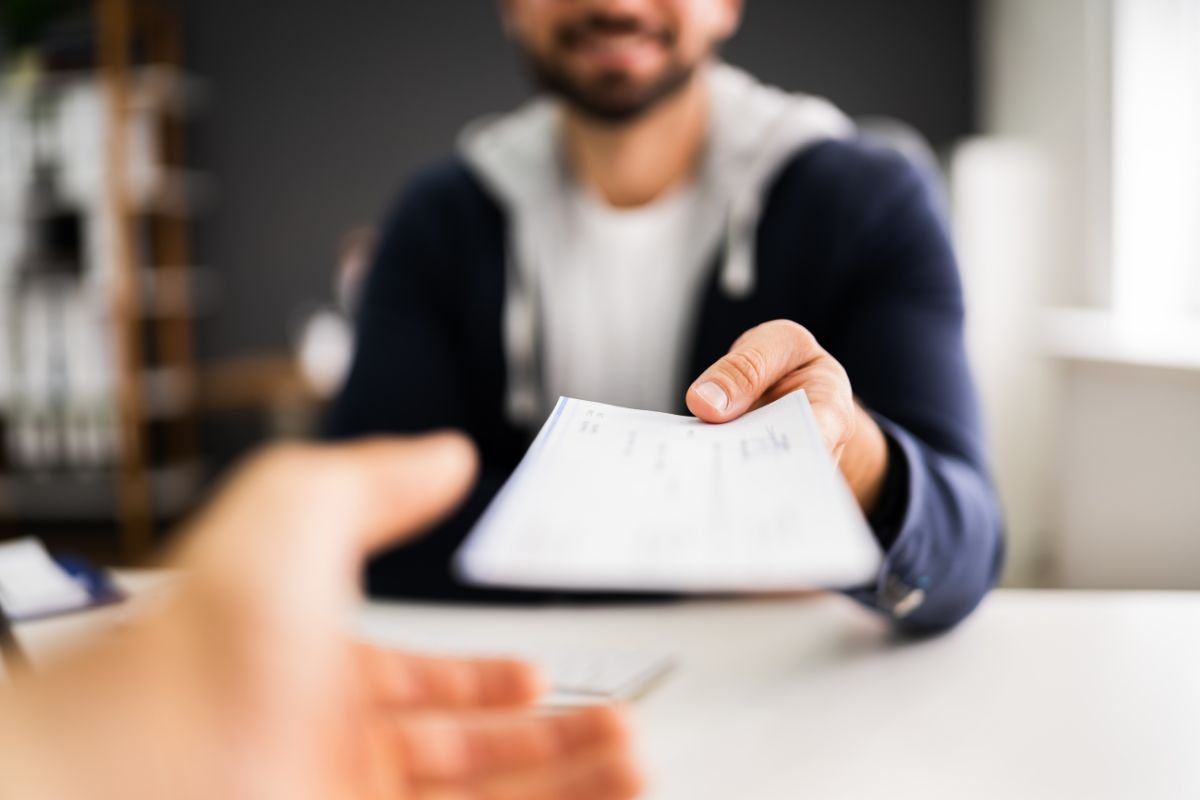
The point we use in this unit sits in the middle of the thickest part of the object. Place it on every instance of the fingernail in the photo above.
(714, 395)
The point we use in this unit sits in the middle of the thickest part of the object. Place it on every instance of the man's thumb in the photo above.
(407, 484)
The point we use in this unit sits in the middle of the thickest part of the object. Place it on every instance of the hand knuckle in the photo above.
(792, 329)
(746, 367)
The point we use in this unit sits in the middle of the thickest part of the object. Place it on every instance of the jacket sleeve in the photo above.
(405, 377)
(900, 338)
(409, 376)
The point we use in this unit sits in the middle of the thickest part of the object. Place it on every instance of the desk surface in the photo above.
(1038, 695)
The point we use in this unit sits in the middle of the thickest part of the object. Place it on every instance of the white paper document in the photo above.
(613, 498)
(32, 584)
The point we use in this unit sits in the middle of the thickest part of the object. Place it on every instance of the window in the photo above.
(1156, 160)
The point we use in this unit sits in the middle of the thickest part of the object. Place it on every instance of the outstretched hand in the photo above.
(245, 685)
(777, 358)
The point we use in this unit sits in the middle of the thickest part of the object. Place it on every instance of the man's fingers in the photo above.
(418, 682)
(583, 753)
(462, 747)
(758, 360)
(604, 773)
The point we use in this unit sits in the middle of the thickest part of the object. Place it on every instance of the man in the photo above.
(245, 685)
(663, 230)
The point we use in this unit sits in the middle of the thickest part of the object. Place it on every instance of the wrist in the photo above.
(864, 461)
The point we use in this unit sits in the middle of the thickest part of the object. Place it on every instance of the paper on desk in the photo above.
(32, 584)
(574, 675)
(613, 498)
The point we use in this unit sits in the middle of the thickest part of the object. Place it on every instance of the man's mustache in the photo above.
(609, 24)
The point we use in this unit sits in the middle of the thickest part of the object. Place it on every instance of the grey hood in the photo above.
(755, 130)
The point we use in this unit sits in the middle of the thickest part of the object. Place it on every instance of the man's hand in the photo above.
(779, 357)
(246, 686)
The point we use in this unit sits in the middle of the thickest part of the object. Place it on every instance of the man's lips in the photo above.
(617, 49)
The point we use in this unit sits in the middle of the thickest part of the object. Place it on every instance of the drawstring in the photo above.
(737, 271)
(520, 341)
(521, 318)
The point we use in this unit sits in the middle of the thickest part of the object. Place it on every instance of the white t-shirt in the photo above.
(619, 307)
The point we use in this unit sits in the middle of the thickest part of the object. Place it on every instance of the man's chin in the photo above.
(613, 100)
(610, 110)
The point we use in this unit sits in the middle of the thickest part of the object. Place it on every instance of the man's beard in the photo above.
(610, 98)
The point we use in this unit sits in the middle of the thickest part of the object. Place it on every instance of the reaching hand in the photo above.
(246, 686)
(777, 358)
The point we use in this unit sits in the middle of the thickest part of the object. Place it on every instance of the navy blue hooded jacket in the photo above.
(851, 244)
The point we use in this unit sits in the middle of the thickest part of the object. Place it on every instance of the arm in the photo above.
(902, 343)
(406, 375)
(916, 459)
(410, 374)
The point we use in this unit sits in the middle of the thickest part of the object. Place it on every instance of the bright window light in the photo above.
(1156, 160)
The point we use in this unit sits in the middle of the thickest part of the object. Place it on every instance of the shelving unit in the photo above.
(110, 437)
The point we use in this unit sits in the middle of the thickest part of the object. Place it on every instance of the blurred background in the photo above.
(187, 191)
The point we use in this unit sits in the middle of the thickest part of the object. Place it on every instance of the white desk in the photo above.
(1039, 695)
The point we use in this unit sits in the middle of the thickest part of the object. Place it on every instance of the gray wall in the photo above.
(321, 109)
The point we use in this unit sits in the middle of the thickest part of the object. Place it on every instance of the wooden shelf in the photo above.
(159, 88)
(90, 496)
(254, 383)
(142, 283)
